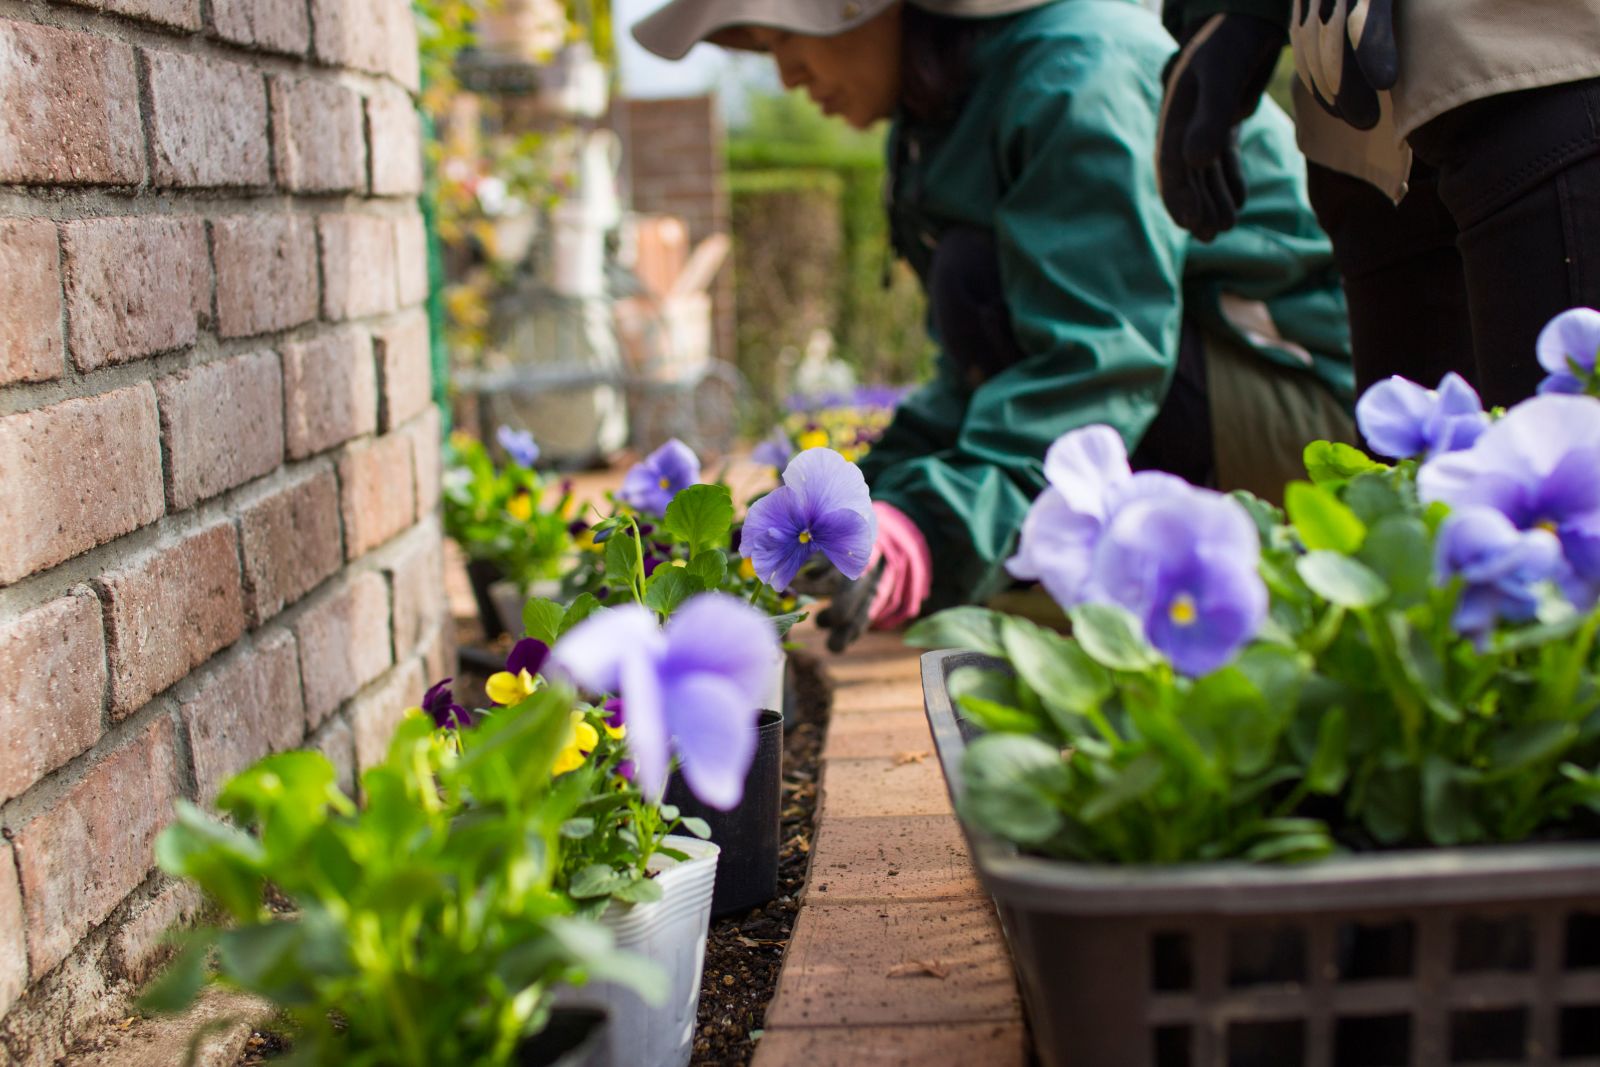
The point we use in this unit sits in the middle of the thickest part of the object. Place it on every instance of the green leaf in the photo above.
(1323, 522)
(1398, 551)
(541, 619)
(1447, 803)
(1112, 637)
(1058, 670)
(622, 557)
(1341, 580)
(701, 516)
(1011, 785)
(1528, 743)
(642, 891)
(786, 622)
(596, 880)
(1374, 497)
(577, 829)
(697, 826)
(1330, 461)
(180, 983)
(972, 628)
(1232, 720)
(1389, 808)
(669, 587)
(988, 698)
(1330, 765)
(581, 609)
(710, 566)
(1130, 783)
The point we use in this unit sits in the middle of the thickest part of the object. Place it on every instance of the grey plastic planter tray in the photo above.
(1398, 959)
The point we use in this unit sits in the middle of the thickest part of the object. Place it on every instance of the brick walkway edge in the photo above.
(896, 957)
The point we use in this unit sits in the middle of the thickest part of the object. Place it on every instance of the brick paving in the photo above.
(897, 957)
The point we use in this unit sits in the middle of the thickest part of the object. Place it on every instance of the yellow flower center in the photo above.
(1548, 525)
(666, 483)
(1182, 610)
(805, 537)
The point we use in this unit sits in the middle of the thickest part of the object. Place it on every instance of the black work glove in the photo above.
(849, 613)
(1214, 83)
(1345, 54)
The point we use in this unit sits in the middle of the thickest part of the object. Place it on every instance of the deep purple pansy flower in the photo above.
(694, 688)
(650, 484)
(529, 654)
(1536, 466)
(1567, 347)
(822, 506)
(775, 450)
(1401, 419)
(519, 445)
(1501, 567)
(1185, 564)
(1089, 478)
(440, 704)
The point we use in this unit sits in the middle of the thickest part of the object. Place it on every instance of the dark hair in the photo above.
(934, 62)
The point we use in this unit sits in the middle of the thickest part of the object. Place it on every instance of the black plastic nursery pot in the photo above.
(747, 872)
(482, 574)
(1396, 959)
(571, 1039)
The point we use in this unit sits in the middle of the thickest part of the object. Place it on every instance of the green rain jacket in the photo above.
(1053, 150)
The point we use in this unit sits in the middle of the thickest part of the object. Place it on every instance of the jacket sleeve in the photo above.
(1181, 15)
(1091, 266)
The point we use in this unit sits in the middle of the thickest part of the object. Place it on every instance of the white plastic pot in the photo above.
(672, 932)
(774, 698)
(578, 249)
(509, 599)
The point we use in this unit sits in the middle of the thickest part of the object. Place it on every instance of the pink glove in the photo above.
(907, 572)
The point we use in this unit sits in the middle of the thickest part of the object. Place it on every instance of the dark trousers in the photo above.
(966, 299)
(1499, 232)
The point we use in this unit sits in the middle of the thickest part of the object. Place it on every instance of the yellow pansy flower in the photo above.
(520, 507)
(582, 742)
(747, 568)
(505, 688)
(813, 439)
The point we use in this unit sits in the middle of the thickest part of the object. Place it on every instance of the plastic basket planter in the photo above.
(1400, 959)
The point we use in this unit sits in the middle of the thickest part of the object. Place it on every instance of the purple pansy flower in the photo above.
(1500, 565)
(1089, 478)
(519, 445)
(1567, 347)
(1401, 419)
(440, 704)
(694, 688)
(651, 484)
(1185, 564)
(1536, 466)
(528, 654)
(775, 450)
(822, 506)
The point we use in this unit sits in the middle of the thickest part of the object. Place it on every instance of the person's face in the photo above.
(855, 74)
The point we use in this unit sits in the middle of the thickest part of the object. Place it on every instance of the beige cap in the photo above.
(681, 24)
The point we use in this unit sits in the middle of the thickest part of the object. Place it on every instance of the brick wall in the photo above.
(675, 166)
(218, 458)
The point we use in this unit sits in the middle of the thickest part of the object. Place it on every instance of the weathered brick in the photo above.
(402, 58)
(222, 425)
(344, 644)
(378, 36)
(336, 741)
(358, 272)
(330, 391)
(52, 689)
(271, 25)
(95, 845)
(424, 432)
(266, 273)
(141, 945)
(169, 610)
(417, 577)
(375, 714)
(30, 275)
(13, 950)
(135, 287)
(411, 259)
(439, 653)
(248, 707)
(69, 108)
(208, 121)
(77, 474)
(405, 369)
(184, 14)
(290, 542)
(396, 132)
(377, 492)
(318, 136)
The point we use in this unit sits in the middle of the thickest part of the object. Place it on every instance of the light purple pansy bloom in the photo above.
(1537, 467)
(822, 506)
(1500, 566)
(651, 484)
(1184, 562)
(774, 450)
(519, 445)
(694, 688)
(1567, 347)
(1089, 478)
(1401, 419)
